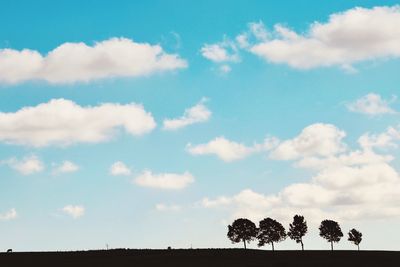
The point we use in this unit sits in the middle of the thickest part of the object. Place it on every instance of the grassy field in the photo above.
(201, 257)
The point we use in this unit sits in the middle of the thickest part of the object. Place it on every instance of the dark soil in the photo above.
(201, 257)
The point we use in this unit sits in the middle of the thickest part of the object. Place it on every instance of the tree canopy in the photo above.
(331, 231)
(269, 232)
(242, 230)
(355, 237)
(297, 229)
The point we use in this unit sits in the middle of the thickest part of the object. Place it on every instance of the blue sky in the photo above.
(155, 124)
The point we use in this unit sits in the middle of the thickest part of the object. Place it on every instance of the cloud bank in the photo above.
(345, 184)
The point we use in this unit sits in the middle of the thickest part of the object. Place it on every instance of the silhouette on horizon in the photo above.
(297, 229)
(355, 237)
(331, 231)
(242, 230)
(270, 231)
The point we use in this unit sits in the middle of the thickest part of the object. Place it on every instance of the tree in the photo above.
(242, 230)
(330, 230)
(297, 229)
(270, 231)
(355, 237)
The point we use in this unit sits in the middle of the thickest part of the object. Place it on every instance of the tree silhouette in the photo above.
(270, 231)
(297, 229)
(242, 230)
(330, 230)
(355, 237)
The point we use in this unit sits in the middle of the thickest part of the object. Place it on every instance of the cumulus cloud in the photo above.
(74, 211)
(229, 150)
(79, 62)
(167, 208)
(26, 166)
(66, 167)
(63, 122)
(345, 185)
(348, 37)
(315, 140)
(196, 114)
(371, 104)
(9, 215)
(168, 181)
(220, 52)
(119, 168)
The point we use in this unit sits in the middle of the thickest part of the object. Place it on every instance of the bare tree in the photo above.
(297, 229)
(242, 230)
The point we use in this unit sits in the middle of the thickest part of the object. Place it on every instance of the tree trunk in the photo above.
(273, 249)
(358, 246)
(302, 245)
(244, 242)
(332, 245)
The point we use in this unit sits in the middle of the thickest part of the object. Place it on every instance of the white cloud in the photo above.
(63, 122)
(353, 158)
(66, 167)
(315, 140)
(371, 104)
(119, 168)
(229, 150)
(74, 211)
(221, 52)
(196, 114)
(167, 208)
(242, 40)
(9, 215)
(355, 185)
(386, 139)
(349, 37)
(168, 181)
(257, 29)
(78, 62)
(26, 166)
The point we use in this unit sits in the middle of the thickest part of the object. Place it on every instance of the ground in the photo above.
(201, 257)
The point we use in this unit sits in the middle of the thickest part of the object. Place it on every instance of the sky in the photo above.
(157, 123)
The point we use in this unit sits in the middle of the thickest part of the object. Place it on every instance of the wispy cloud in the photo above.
(9, 215)
(119, 168)
(75, 212)
(167, 181)
(196, 114)
(372, 104)
(228, 150)
(26, 166)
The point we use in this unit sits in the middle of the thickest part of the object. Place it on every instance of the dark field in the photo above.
(201, 257)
